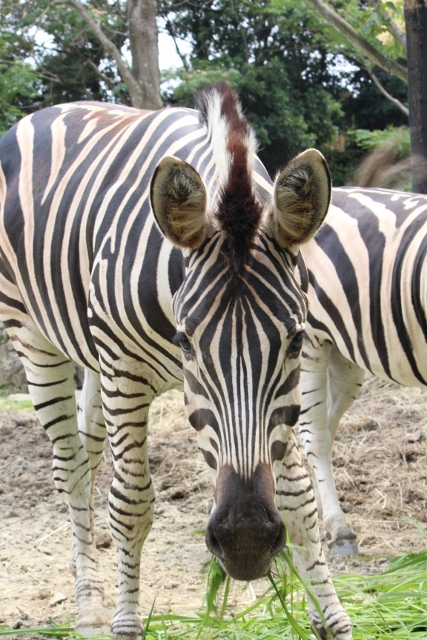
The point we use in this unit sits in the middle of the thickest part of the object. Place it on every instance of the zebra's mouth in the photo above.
(246, 530)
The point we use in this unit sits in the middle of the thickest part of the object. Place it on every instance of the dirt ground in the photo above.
(381, 472)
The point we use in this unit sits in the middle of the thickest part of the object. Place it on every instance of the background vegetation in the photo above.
(301, 80)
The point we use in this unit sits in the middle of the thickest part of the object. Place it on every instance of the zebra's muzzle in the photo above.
(246, 530)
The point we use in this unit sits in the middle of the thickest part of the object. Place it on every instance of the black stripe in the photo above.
(397, 304)
(328, 240)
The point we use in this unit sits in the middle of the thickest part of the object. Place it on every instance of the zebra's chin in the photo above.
(246, 530)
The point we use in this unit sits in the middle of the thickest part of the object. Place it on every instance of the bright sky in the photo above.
(168, 56)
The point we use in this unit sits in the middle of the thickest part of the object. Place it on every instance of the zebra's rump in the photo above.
(368, 275)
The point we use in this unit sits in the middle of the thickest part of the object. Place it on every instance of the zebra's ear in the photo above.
(178, 198)
(302, 193)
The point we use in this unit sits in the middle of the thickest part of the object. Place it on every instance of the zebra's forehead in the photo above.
(264, 294)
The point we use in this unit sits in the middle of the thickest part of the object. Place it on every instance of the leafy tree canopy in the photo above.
(18, 82)
(289, 89)
(300, 82)
(65, 60)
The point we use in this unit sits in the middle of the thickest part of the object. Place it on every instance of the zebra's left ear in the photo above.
(302, 193)
(178, 198)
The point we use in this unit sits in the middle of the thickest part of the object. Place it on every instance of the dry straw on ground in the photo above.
(380, 468)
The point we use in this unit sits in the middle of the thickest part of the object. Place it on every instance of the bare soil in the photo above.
(381, 473)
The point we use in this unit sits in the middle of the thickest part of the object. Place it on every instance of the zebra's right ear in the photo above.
(302, 194)
(178, 198)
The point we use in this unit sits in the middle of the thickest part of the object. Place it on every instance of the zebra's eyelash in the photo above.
(303, 333)
(181, 339)
(294, 348)
(180, 335)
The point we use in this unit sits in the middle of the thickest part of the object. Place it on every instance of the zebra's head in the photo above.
(240, 317)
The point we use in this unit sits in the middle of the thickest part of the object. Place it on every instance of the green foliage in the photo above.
(299, 80)
(68, 60)
(370, 18)
(191, 80)
(18, 83)
(286, 87)
(372, 21)
(366, 108)
(397, 137)
(76, 66)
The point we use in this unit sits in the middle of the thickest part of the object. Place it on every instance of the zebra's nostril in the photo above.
(213, 544)
(279, 543)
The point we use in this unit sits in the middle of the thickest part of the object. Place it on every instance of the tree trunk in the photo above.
(145, 52)
(416, 35)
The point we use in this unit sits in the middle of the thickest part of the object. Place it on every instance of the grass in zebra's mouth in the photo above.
(380, 462)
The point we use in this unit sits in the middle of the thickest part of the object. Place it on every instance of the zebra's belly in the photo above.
(72, 327)
(18, 307)
(402, 370)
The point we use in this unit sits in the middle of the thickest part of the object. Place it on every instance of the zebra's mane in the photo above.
(236, 209)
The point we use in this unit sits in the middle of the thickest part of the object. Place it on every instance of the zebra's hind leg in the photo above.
(329, 384)
(295, 497)
(50, 378)
(126, 397)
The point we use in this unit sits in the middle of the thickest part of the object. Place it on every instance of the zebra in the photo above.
(367, 270)
(153, 249)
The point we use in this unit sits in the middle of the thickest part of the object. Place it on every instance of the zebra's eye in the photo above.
(183, 342)
(296, 343)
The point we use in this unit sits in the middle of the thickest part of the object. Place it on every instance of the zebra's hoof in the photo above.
(92, 620)
(344, 544)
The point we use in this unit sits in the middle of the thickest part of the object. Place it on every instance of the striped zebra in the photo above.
(153, 249)
(367, 271)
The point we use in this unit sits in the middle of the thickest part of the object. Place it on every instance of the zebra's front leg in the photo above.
(323, 404)
(295, 497)
(92, 433)
(50, 379)
(345, 380)
(126, 400)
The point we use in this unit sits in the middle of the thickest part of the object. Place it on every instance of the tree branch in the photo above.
(379, 86)
(109, 46)
(359, 43)
(395, 31)
(107, 80)
(170, 30)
